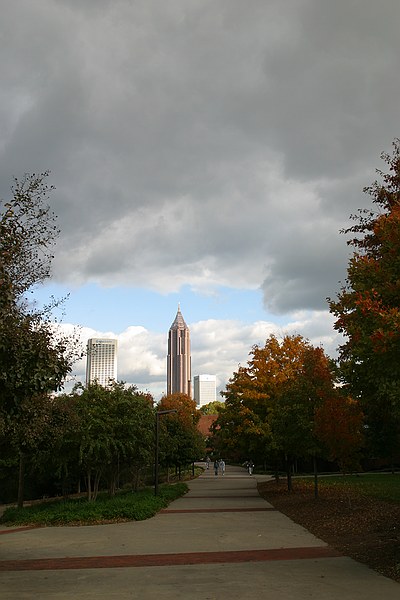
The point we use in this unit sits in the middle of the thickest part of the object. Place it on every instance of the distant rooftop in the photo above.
(205, 423)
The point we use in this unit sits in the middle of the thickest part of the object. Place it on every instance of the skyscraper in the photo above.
(205, 389)
(101, 361)
(179, 371)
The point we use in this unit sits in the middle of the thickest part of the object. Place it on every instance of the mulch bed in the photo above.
(361, 527)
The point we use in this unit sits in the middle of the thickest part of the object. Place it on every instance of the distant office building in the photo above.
(101, 361)
(179, 371)
(205, 389)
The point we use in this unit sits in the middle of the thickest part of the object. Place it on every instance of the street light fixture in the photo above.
(158, 413)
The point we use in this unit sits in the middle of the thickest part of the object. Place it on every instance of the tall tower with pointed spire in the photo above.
(179, 369)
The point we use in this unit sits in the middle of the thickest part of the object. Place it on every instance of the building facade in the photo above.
(179, 369)
(101, 361)
(205, 389)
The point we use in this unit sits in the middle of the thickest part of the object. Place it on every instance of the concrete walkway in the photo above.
(220, 541)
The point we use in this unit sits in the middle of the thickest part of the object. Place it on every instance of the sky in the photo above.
(203, 152)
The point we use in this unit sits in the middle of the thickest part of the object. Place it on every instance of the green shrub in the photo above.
(126, 506)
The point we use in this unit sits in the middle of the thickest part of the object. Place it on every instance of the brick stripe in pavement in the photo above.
(17, 529)
(165, 511)
(225, 497)
(158, 560)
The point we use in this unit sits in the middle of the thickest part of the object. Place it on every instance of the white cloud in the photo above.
(202, 144)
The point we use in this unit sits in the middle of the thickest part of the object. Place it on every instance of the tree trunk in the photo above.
(64, 487)
(289, 474)
(136, 479)
(315, 477)
(113, 484)
(89, 485)
(276, 472)
(96, 485)
(21, 480)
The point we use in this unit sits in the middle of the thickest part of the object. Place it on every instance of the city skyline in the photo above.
(217, 346)
(102, 361)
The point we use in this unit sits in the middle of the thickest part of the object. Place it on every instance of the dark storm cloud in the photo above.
(201, 142)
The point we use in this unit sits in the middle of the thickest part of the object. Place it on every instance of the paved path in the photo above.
(220, 541)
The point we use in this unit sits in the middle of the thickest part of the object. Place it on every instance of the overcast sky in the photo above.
(205, 152)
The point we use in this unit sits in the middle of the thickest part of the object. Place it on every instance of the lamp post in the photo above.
(158, 413)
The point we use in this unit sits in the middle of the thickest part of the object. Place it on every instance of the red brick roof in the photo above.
(205, 423)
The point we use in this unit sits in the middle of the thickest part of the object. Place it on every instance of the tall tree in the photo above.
(367, 309)
(269, 404)
(115, 431)
(339, 425)
(180, 441)
(34, 359)
(28, 233)
(242, 429)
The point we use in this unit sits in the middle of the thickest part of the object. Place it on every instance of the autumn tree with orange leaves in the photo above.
(367, 310)
(270, 404)
(339, 427)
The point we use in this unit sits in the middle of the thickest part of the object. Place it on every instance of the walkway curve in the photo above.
(220, 541)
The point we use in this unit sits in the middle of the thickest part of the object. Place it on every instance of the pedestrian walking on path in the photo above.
(216, 467)
(222, 466)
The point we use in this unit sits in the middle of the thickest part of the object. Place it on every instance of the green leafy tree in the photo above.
(27, 432)
(212, 408)
(34, 360)
(242, 428)
(180, 441)
(60, 455)
(116, 429)
(28, 233)
(133, 429)
(367, 310)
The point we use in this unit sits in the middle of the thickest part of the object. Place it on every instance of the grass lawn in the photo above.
(383, 486)
(125, 506)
